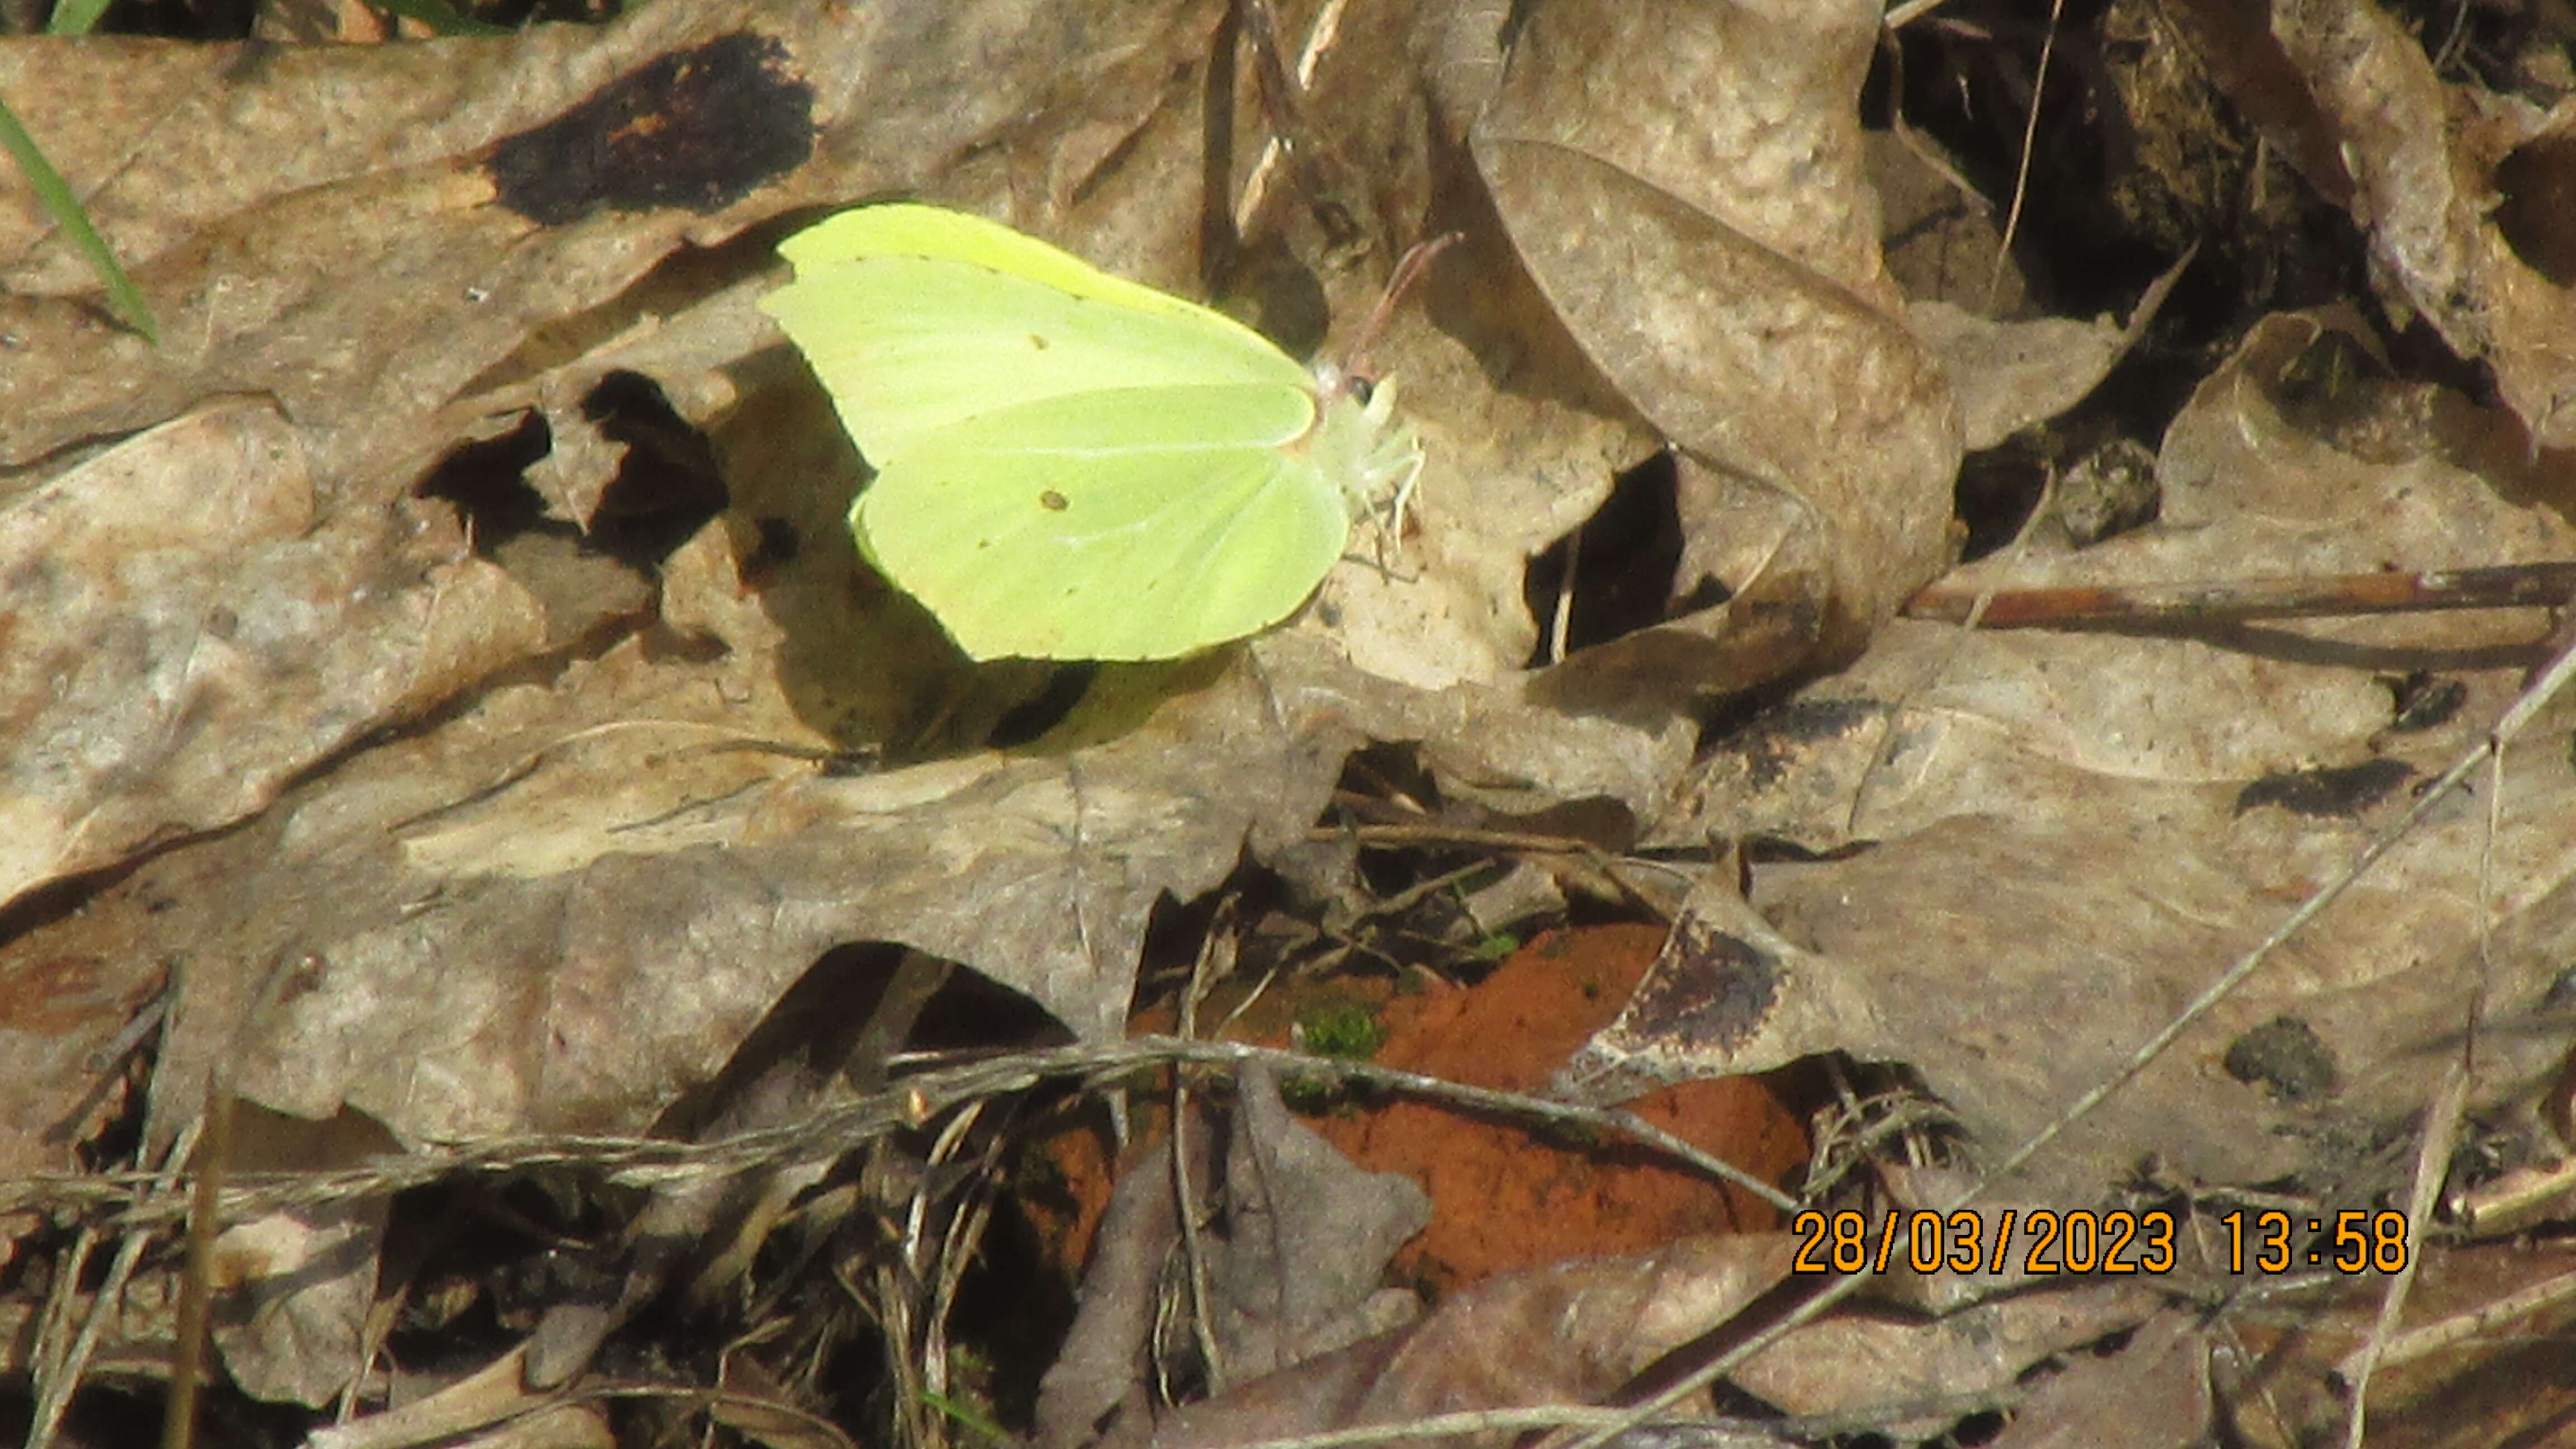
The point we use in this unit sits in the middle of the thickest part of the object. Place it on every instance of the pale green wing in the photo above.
(1126, 524)
(918, 320)
(909, 229)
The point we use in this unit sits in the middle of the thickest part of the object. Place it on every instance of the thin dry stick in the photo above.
(647, 1162)
(205, 1198)
(2484, 1319)
(1079, 856)
(2441, 1123)
(2218, 601)
(1252, 998)
(2514, 1201)
(1563, 615)
(1909, 12)
(58, 1381)
(1698, 1380)
(1466, 1421)
(926, 1260)
(1415, 894)
(898, 1298)
(808, 1427)
(1567, 1416)
(1284, 96)
(2432, 1155)
(196, 1280)
(1204, 973)
(1969, 619)
(2029, 143)
(57, 1365)
(1593, 855)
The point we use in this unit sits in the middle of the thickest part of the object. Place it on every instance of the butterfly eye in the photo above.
(1359, 387)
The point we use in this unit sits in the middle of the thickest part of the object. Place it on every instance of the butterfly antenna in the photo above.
(1408, 271)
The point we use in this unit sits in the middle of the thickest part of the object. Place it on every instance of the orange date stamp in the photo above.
(2039, 1242)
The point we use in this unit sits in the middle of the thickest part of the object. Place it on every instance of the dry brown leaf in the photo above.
(297, 1285)
(2011, 375)
(2152, 1394)
(1723, 271)
(489, 1406)
(1858, 1363)
(194, 626)
(604, 879)
(2426, 159)
(1569, 1334)
(1307, 1237)
(308, 1277)
(1295, 1244)
(1097, 1389)
(2492, 1382)
(2078, 831)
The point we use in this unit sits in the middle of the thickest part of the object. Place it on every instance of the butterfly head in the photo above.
(1359, 443)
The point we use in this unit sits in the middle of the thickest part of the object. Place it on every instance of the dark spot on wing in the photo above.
(1052, 501)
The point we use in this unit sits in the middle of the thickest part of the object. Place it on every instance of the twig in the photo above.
(2484, 1319)
(2432, 1157)
(1980, 607)
(58, 1379)
(2029, 144)
(645, 1162)
(2218, 601)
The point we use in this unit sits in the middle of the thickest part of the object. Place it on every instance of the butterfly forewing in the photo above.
(909, 345)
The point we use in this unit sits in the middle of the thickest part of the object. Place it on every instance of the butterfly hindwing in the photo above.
(1135, 525)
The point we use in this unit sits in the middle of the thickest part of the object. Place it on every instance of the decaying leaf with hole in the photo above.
(1723, 272)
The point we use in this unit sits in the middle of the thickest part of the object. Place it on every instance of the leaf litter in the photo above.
(392, 712)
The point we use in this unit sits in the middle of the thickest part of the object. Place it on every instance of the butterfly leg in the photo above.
(1395, 510)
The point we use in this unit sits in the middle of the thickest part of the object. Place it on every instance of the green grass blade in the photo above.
(76, 17)
(66, 210)
(967, 1418)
